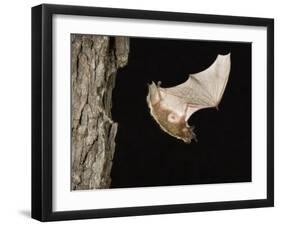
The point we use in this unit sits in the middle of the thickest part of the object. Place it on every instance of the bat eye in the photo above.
(172, 118)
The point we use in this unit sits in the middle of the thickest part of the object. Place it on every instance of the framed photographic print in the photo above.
(146, 112)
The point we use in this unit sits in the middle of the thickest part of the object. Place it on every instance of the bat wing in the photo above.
(204, 89)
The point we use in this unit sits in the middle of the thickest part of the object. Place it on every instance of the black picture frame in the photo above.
(42, 111)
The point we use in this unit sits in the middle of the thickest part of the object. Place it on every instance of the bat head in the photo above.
(168, 119)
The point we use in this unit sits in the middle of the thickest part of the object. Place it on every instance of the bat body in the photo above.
(172, 107)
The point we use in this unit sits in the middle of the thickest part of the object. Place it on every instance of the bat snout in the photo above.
(189, 135)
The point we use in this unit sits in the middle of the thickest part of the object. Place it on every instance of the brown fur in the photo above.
(176, 129)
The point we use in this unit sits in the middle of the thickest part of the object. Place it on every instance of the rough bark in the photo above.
(94, 64)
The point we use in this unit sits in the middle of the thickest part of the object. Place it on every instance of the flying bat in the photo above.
(172, 107)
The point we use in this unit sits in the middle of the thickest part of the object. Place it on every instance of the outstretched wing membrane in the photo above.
(204, 89)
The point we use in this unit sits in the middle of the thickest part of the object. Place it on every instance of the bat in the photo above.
(172, 107)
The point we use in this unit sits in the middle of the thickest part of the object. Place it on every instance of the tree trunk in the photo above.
(94, 64)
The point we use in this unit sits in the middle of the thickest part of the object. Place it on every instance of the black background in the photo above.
(147, 156)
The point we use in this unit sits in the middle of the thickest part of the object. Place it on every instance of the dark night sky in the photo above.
(147, 156)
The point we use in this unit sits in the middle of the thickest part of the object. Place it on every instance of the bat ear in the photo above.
(153, 93)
